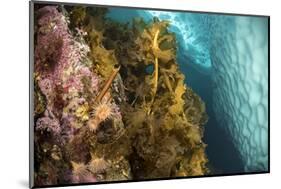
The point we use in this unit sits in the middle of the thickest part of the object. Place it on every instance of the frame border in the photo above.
(31, 94)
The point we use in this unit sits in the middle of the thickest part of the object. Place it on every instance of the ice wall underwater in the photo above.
(233, 50)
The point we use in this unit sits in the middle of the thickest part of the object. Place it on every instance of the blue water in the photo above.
(225, 61)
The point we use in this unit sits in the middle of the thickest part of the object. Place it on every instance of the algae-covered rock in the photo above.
(113, 104)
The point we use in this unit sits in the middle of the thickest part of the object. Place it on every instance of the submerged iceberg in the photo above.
(233, 50)
(241, 97)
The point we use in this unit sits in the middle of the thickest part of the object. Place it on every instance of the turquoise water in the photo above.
(225, 60)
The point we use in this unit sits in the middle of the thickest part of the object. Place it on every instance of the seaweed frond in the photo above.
(155, 46)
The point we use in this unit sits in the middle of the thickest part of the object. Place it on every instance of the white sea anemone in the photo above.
(93, 124)
(97, 165)
(103, 111)
(79, 169)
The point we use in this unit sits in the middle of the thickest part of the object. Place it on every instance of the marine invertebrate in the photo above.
(79, 169)
(97, 165)
(93, 124)
(102, 111)
(80, 173)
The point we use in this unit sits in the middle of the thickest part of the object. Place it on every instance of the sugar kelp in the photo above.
(163, 116)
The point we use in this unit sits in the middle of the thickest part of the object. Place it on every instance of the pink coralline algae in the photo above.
(53, 49)
(57, 54)
(46, 86)
(48, 123)
(60, 72)
(67, 84)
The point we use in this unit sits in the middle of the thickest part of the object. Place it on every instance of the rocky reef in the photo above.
(110, 102)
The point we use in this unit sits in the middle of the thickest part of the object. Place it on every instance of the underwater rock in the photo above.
(100, 116)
